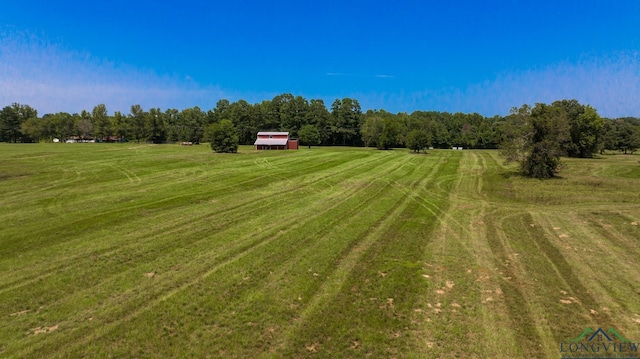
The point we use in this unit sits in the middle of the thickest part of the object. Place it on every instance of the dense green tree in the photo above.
(621, 135)
(418, 140)
(585, 128)
(101, 122)
(391, 132)
(189, 125)
(241, 113)
(138, 123)
(154, 126)
(224, 137)
(371, 128)
(85, 125)
(65, 125)
(33, 129)
(319, 116)
(346, 116)
(220, 111)
(309, 135)
(536, 139)
(293, 114)
(11, 120)
(173, 125)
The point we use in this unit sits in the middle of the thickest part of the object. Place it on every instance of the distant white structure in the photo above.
(56, 140)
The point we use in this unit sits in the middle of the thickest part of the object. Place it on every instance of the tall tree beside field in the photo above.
(585, 128)
(346, 116)
(11, 120)
(224, 137)
(309, 135)
(65, 125)
(319, 116)
(34, 129)
(172, 123)
(390, 135)
(621, 135)
(190, 124)
(85, 125)
(371, 129)
(138, 123)
(242, 115)
(155, 126)
(537, 139)
(418, 140)
(101, 122)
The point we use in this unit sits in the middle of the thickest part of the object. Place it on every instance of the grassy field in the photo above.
(166, 251)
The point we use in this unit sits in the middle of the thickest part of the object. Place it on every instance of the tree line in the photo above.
(343, 123)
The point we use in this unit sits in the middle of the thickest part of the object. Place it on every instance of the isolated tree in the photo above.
(585, 128)
(224, 137)
(418, 140)
(536, 139)
(309, 135)
(101, 122)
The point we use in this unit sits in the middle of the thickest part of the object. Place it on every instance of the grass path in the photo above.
(164, 251)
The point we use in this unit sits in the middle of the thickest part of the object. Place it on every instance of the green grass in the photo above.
(162, 251)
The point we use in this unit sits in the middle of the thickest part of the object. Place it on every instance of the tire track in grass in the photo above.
(245, 252)
(289, 280)
(521, 319)
(350, 321)
(451, 317)
(251, 202)
(344, 264)
(555, 291)
(253, 264)
(588, 250)
(126, 311)
(178, 227)
(69, 228)
(338, 277)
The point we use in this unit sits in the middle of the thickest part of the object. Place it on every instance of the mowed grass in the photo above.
(162, 251)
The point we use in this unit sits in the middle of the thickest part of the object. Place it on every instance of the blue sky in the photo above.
(455, 56)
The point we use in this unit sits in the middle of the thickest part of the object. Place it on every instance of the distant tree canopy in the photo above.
(309, 135)
(343, 123)
(224, 137)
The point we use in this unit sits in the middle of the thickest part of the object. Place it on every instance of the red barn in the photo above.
(275, 141)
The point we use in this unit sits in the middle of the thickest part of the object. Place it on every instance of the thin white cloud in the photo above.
(610, 83)
(53, 79)
(338, 74)
(384, 76)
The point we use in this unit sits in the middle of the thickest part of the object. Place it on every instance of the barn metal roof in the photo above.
(273, 133)
(271, 141)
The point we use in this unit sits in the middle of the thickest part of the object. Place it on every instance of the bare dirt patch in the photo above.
(20, 313)
(41, 330)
